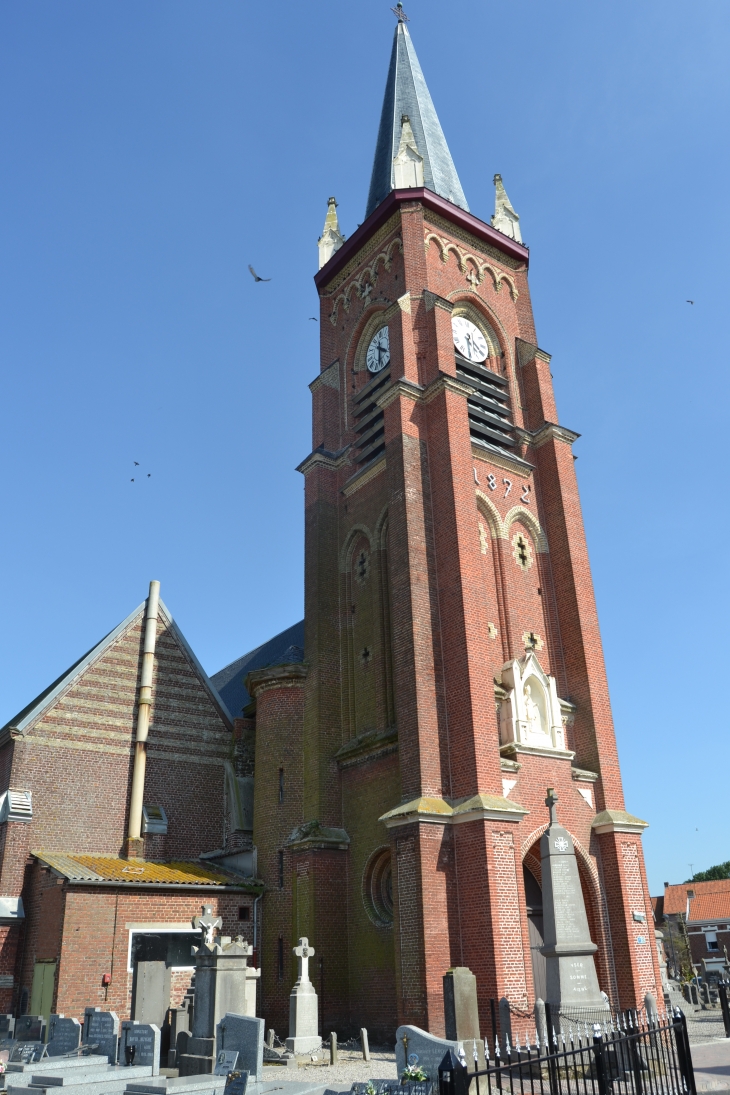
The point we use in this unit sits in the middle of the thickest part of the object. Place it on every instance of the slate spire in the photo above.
(406, 94)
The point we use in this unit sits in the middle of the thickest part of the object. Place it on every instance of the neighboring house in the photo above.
(84, 900)
(698, 913)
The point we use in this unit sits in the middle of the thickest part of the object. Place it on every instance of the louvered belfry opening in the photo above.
(369, 425)
(490, 412)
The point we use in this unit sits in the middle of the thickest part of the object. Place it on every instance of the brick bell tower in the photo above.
(454, 662)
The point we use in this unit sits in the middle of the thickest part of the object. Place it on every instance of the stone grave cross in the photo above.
(208, 924)
(303, 952)
(551, 802)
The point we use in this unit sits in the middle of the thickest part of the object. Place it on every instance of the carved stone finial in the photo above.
(408, 164)
(505, 219)
(331, 239)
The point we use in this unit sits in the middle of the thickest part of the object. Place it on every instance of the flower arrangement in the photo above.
(413, 1073)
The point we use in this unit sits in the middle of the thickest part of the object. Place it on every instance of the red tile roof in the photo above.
(708, 907)
(675, 897)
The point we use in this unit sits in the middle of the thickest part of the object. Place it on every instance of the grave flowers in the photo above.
(413, 1073)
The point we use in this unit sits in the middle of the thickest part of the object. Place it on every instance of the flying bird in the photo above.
(314, 318)
(131, 480)
(149, 474)
(255, 276)
(690, 302)
(136, 463)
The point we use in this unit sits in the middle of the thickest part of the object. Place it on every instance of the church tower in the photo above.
(453, 664)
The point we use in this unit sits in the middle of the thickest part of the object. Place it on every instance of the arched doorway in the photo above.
(533, 896)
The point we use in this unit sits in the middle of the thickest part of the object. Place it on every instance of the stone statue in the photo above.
(532, 714)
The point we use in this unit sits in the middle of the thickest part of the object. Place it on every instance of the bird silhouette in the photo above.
(255, 276)
(690, 302)
(136, 463)
(131, 480)
(149, 474)
(314, 318)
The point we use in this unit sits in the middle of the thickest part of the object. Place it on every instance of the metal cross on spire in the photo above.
(399, 13)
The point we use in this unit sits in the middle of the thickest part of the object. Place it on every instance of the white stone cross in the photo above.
(208, 923)
(303, 952)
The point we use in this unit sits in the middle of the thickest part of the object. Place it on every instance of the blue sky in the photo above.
(152, 150)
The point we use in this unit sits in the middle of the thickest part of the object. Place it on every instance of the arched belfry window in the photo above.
(479, 364)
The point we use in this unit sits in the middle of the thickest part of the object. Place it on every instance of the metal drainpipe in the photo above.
(143, 713)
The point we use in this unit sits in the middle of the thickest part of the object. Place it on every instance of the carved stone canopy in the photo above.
(530, 714)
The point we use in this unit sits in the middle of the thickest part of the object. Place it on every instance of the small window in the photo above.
(281, 870)
(280, 958)
(244, 912)
(281, 785)
(154, 819)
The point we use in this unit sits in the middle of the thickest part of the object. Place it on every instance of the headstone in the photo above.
(25, 1052)
(429, 1050)
(7, 1045)
(179, 1022)
(101, 1028)
(303, 1007)
(365, 1044)
(461, 1012)
(236, 1083)
(64, 1035)
(140, 1045)
(270, 1036)
(505, 1020)
(568, 948)
(541, 1023)
(225, 1062)
(245, 1035)
(30, 1028)
(7, 1027)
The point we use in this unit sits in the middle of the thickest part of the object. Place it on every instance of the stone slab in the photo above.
(243, 1033)
(102, 1028)
(48, 1064)
(111, 1082)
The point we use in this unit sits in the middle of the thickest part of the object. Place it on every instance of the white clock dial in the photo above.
(469, 340)
(378, 355)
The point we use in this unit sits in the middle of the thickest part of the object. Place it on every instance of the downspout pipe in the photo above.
(143, 713)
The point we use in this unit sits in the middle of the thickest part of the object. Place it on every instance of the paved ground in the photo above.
(350, 1068)
(712, 1066)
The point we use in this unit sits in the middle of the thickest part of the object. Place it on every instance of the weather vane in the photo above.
(399, 13)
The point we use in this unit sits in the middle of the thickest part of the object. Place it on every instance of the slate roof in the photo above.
(406, 93)
(675, 897)
(109, 868)
(285, 648)
(23, 720)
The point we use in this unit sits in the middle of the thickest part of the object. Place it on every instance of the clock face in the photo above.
(378, 355)
(469, 340)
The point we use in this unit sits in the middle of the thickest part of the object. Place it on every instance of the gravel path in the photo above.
(350, 1068)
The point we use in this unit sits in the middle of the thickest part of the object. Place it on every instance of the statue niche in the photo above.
(530, 714)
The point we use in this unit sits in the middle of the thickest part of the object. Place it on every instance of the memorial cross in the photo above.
(551, 802)
(400, 14)
(303, 952)
(208, 924)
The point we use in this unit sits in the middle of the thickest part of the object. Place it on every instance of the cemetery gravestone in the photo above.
(303, 1007)
(64, 1035)
(225, 1062)
(7, 1027)
(25, 1052)
(30, 1028)
(426, 1047)
(462, 1013)
(245, 1035)
(101, 1028)
(144, 1039)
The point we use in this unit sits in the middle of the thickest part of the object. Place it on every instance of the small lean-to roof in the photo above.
(675, 897)
(406, 93)
(37, 707)
(285, 648)
(109, 868)
(709, 907)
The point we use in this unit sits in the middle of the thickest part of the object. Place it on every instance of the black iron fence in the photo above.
(625, 1056)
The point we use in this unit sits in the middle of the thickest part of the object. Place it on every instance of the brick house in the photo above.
(699, 913)
(449, 666)
(83, 901)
